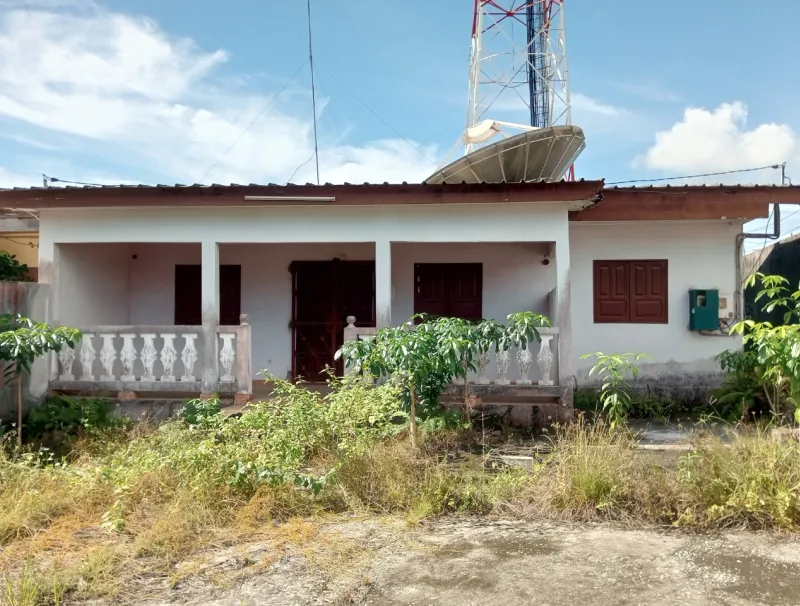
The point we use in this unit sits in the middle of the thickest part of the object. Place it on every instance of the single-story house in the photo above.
(197, 289)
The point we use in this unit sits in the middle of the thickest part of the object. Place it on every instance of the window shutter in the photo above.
(611, 292)
(648, 288)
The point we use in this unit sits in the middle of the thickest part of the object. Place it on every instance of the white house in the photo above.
(196, 289)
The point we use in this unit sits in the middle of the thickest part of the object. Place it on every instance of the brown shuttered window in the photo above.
(630, 292)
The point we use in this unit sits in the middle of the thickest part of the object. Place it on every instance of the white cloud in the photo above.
(720, 140)
(585, 104)
(121, 88)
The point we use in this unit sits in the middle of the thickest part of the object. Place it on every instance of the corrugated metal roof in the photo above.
(162, 186)
(701, 186)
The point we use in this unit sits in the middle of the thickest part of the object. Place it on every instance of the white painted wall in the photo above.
(406, 223)
(93, 284)
(700, 255)
(514, 278)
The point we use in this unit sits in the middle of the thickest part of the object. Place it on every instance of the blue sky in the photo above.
(156, 91)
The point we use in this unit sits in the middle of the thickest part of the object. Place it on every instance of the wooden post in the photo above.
(413, 418)
(19, 409)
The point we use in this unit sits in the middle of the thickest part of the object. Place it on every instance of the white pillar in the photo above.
(383, 283)
(563, 315)
(210, 315)
(42, 370)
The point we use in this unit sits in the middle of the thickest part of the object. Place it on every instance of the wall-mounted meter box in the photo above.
(703, 309)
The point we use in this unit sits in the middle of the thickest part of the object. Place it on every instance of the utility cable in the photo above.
(313, 89)
(725, 172)
(310, 158)
(249, 126)
(385, 123)
(57, 180)
(31, 244)
(329, 107)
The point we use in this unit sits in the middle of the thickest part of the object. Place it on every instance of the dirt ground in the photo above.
(464, 562)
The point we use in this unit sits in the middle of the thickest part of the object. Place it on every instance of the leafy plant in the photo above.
(772, 369)
(743, 389)
(201, 413)
(22, 341)
(11, 270)
(428, 356)
(69, 415)
(614, 370)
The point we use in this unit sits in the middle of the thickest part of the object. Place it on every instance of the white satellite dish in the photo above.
(538, 154)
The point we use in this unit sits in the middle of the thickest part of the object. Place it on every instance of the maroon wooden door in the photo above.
(449, 289)
(324, 293)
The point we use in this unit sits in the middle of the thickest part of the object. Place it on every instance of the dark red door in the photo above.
(324, 293)
(449, 289)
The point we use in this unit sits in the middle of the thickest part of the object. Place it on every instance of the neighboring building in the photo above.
(19, 236)
(780, 258)
(159, 275)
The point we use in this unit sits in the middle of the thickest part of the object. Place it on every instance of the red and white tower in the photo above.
(518, 65)
(519, 115)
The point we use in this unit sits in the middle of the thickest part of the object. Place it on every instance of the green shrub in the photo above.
(202, 413)
(70, 415)
(280, 441)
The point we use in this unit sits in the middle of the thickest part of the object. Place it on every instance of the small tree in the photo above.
(429, 355)
(777, 348)
(22, 341)
(615, 393)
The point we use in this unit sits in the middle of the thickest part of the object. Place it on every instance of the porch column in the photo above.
(383, 283)
(46, 368)
(210, 315)
(563, 318)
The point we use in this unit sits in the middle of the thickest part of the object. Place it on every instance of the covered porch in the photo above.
(183, 319)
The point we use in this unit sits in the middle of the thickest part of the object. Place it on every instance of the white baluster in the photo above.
(168, 357)
(189, 357)
(66, 356)
(128, 356)
(149, 356)
(227, 356)
(545, 360)
(108, 354)
(87, 357)
(483, 363)
(502, 367)
(524, 360)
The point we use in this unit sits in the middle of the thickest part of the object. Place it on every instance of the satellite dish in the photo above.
(540, 154)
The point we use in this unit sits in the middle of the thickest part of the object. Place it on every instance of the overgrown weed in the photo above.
(155, 496)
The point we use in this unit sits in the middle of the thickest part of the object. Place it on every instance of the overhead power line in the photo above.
(249, 126)
(385, 123)
(57, 180)
(724, 172)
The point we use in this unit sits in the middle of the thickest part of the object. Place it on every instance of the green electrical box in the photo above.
(703, 309)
